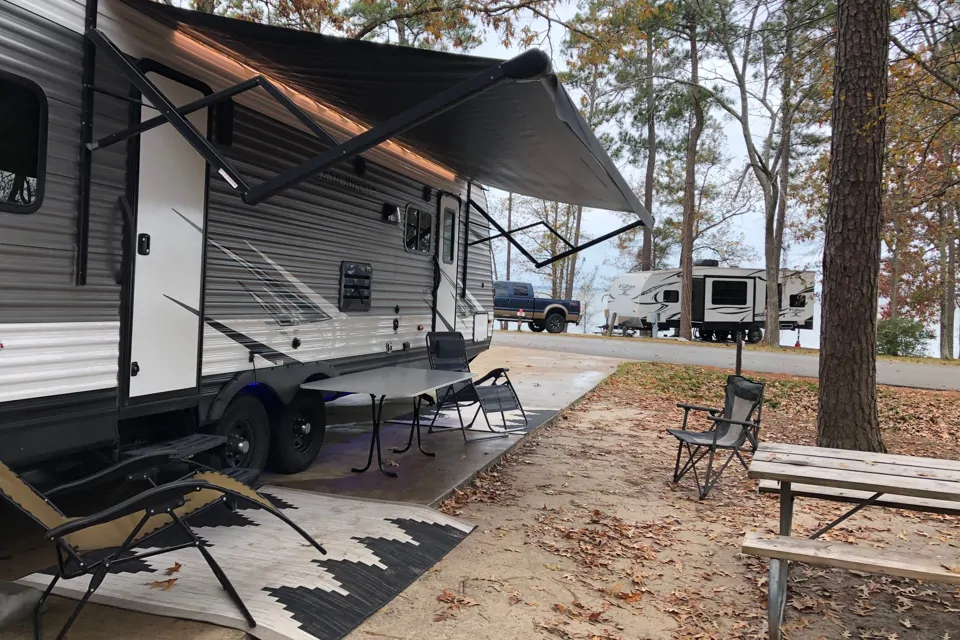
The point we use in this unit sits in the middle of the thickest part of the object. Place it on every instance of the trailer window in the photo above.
(419, 231)
(23, 144)
(729, 292)
(798, 300)
(449, 218)
(671, 295)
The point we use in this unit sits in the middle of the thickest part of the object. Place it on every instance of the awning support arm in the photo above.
(169, 112)
(560, 256)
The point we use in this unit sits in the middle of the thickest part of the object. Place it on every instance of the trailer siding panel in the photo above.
(479, 256)
(307, 231)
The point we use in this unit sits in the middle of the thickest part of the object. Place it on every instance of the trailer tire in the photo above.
(754, 334)
(555, 322)
(245, 421)
(298, 432)
(537, 326)
(706, 335)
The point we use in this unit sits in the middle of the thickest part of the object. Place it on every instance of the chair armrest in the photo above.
(694, 407)
(149, 498)
(732, 421)
(492, 375)
(122, 468)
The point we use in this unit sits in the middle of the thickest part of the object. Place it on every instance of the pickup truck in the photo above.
(517, 301)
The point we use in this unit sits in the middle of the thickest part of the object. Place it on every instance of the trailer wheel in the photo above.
(706, 336)
(754, 334)
(246, 425)
(556, 323)
(537, 326)
(298, 433)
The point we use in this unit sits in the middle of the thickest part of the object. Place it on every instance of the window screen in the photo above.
(449, 219)
(671, 295)
(23, 144)
(521, 291)
(798, 300)
(418, 231)
(356, 280)
(729, 292)
(500, 289)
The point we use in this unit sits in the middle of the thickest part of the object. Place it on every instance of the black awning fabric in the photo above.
(524, 137)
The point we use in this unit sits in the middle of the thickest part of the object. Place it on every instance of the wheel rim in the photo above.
(554, 322)
(303, 432)
(241, 440)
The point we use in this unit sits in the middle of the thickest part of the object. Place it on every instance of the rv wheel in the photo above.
(247, 427)
(556, 323)
(537, 326)
(706, 336)
(754, 335)
(298, 433)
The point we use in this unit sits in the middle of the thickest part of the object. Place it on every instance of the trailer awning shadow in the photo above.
(506, 124)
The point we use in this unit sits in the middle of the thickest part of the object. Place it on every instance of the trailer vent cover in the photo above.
(706, 262)
(356, 285)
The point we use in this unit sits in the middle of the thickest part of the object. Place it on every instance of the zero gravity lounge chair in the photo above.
(734, 428)
(492, 393)
(91, 545)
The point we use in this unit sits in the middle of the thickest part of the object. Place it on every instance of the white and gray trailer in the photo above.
(725, 300)
(198, 214)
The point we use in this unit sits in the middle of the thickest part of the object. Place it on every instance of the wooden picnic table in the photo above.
(865, 479)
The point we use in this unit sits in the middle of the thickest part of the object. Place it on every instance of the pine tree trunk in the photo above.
(646, 252)
(686, 247)
(847, 416)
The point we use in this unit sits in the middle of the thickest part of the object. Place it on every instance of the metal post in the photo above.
(739, 351)
(509, 227)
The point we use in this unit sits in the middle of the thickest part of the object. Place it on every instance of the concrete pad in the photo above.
(546, 382)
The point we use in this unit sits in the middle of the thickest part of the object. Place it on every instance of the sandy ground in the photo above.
(582, 535)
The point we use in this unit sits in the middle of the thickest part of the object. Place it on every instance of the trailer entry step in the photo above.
(181, 448)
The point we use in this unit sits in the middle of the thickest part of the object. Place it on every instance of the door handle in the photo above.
(143, 244)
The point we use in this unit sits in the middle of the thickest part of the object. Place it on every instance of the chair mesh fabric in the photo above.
(497, 398)
(742, 399)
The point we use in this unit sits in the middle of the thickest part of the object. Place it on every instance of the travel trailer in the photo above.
(199, 214)
(725, 300)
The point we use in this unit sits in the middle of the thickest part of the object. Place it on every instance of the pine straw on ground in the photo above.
(589, 499)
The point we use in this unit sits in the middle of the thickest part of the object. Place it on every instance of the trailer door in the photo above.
(728, 300)
(168, 264)
(445, 307)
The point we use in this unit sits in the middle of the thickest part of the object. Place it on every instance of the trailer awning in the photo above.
(523, 134)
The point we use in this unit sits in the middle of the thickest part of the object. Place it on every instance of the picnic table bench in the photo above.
(864, 479)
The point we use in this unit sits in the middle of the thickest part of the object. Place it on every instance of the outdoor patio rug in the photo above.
(374, 551)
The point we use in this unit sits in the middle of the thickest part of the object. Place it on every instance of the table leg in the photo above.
(375, 438)
(777, 586)
(786, 508)
(415, 426)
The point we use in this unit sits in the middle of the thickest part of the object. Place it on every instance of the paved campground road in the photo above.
(903, 374)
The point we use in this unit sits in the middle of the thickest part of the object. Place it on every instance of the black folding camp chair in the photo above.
(491, 393)
(91, 545)
(735, 428)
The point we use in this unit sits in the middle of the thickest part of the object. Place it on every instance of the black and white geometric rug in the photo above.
(374, 551)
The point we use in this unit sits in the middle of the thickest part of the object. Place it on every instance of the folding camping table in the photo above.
(393, 382)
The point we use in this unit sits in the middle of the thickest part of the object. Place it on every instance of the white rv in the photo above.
(725, 300)
(198, 214)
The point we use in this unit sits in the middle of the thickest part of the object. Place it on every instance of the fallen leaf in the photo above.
(906, 622)
(162, 584)
(174, 569)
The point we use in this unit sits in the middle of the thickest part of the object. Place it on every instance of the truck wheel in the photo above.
(246, 425)
(754, 334)
(537, 326)
(298, 432)
(556, 323)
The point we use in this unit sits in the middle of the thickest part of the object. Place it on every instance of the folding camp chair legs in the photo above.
(695, 455)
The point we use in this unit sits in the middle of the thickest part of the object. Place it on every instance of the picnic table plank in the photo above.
(858, 558)
(804, 460)
(861, 456)
(857, 480)
(849, 495)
